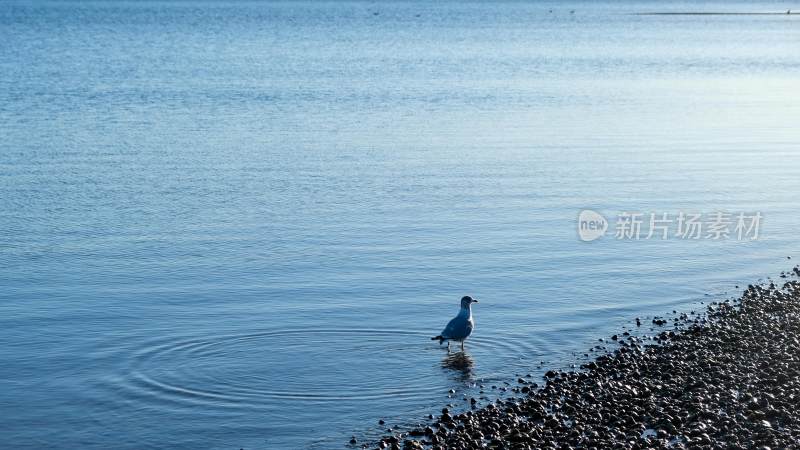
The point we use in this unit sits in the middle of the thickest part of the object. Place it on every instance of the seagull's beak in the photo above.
(474, 301)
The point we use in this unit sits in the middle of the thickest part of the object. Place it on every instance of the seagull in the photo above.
(461, 326)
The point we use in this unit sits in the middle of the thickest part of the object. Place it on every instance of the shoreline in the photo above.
(714, 13)
(729, 378)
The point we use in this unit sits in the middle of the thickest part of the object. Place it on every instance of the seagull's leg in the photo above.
(448, 346)
(462, 346)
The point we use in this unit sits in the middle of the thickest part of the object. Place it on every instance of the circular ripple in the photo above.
(311, 365)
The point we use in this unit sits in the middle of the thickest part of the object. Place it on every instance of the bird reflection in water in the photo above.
(459, 362)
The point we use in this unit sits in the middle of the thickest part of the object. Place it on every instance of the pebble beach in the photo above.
(725, 379)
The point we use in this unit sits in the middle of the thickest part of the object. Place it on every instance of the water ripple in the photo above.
(253, 370)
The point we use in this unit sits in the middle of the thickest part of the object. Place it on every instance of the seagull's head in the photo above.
(467, 300)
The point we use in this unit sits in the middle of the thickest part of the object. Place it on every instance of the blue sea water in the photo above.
(236, 224)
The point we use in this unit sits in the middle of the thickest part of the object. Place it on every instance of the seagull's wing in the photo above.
(469, 326)
(456, 328)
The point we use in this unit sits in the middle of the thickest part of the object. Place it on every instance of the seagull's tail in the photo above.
(439, 338)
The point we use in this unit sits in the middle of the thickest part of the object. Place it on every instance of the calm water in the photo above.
(236, 225)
